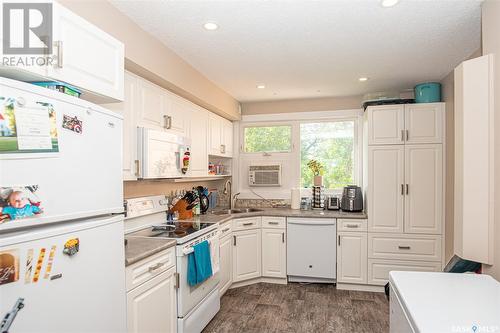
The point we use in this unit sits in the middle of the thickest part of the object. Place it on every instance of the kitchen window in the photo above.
(267, 139)
(333, 144)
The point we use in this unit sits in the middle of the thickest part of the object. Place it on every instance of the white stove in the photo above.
(196, 306)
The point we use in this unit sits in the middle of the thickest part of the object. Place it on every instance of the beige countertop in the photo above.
(139, 248)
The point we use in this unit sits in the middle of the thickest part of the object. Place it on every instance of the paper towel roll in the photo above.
(295, 198)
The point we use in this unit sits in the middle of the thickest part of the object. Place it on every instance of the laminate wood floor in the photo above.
(297, 307)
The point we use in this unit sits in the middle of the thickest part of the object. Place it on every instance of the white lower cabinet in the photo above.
(274, 253)
(247, 258)
(226, 263)
(378, 269)
(352, 257)
(152, 306)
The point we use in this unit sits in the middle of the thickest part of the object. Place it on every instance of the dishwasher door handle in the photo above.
(313, 222)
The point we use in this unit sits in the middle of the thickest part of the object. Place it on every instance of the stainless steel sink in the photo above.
(236, 211)
(251, 210)
(227, 212)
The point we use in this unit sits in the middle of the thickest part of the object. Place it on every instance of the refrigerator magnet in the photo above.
(19, 202)
(50, 262)
(27, 127)
(71, 247)
(39, 265)
(9, 266)
(72, 123)
(29, 267)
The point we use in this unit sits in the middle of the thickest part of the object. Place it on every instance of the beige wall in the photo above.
(134, 189)
(491, 45)
(147, 56)
(302, 105)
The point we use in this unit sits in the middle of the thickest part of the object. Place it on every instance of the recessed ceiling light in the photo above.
(261, 86)
(211, 26)
(363, 79)
(389, 3)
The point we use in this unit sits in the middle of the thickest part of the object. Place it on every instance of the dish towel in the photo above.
(199, 264)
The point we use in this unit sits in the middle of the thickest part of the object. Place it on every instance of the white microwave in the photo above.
(161, 154)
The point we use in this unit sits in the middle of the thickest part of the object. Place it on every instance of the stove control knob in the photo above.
(163, 202)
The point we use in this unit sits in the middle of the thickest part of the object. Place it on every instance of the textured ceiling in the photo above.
(302, 49)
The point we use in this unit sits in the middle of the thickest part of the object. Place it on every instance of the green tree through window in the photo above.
(332, 144)
(268, 139)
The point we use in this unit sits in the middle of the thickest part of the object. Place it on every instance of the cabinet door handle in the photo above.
(225, 230)
(339, 239)
(137, 166)
(234, 240)
(168, 122)
(403, 135)
(247, 224)
(407, 135)
(177, 280)
(402, 189)
(283, 237)
(407, 189)
(59, 45)
(352, 225)
(155, 267)
(403, 247)
(273, 222)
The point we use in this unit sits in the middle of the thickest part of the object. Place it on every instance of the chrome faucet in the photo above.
(227, 190)
(234, 199)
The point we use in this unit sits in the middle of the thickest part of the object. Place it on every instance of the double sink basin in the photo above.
(236, 211)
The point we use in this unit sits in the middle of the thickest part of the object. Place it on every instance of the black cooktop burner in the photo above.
(175, 230)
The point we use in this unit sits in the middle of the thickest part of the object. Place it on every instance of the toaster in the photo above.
(352, 199)
(332, 203)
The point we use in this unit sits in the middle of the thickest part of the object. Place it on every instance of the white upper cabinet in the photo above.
(227, 138)
(88, 57)
(127, 109)
(424, 123)
(385, 188)
(406, 124)
(424, 189)
(215, 135)
(176, 113)
(386, 125)
(220, 141)
(198, 132)
(151, 105)
(475, 150)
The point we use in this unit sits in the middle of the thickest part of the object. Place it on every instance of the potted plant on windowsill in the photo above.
(317, 169)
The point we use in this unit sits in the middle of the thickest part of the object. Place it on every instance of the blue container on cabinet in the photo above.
(429, 92)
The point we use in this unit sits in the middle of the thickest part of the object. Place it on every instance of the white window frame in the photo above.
(294, 120)
(357, 145)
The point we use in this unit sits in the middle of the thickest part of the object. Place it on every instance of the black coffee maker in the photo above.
(352, 199)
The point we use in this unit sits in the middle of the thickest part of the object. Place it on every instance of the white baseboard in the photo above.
(257, 280)
(360, 287)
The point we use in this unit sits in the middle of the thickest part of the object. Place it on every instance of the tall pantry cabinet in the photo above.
(404, 188)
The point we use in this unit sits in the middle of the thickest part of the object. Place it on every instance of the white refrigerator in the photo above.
(61, 199)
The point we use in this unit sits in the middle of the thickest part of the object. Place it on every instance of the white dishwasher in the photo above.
(311, 249)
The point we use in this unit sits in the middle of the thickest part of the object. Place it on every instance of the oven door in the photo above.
(188, 297)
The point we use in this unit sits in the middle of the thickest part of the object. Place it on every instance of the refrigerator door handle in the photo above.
(7, 321)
